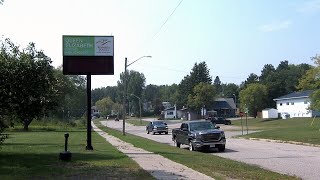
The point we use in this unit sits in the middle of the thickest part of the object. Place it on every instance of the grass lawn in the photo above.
(34, 155)
(214, 166)
(294, 129)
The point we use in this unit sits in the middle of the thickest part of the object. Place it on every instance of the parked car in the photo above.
(157, 127)
(199, 134)
(219, 120)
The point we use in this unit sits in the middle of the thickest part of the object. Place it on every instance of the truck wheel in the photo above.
(148, 131)
(221, 147)
(153, 132)
(176, 143)
(191, 148)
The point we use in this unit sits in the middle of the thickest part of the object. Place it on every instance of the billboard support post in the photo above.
(89, 142)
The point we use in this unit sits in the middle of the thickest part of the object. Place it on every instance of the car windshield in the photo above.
(196, 126)
(158, 123)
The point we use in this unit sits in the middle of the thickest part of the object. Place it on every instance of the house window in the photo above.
(292, 103)
(287, 103)
(169, 113)
(280, 104)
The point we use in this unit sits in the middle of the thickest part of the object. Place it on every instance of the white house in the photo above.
(170, 113)
(296, 104)
(269, 113)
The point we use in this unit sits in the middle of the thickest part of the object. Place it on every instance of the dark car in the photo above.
(219, 120)
(157, 127)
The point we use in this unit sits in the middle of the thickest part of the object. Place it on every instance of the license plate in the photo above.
(212, 146)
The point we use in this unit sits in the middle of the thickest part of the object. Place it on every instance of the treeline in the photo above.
(197, 89)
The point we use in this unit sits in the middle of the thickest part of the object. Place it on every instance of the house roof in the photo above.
(295, 95)
(224, 103)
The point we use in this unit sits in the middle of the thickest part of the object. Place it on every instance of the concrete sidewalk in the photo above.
(158, 166)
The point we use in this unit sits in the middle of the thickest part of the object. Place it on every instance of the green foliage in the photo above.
(70, 96)
(105, 106)
(217, 85)
(199, 73)
(315, 100)
(230, 89)
(309, 80)
(203, 95)
(27, 82)
(109, 91)
(253, 97)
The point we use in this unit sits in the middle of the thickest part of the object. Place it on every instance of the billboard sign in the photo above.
(88, 55)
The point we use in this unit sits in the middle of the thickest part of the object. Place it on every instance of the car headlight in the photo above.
(222, 134)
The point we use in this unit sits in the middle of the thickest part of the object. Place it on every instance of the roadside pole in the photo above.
(89, 144)
(241, 125)
(247, 122)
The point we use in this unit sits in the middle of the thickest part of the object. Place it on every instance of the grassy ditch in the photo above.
(34, 155)
(214, 166)
(306, 130)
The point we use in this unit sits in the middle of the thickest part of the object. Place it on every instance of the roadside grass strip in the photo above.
(303, 130)
(34, 155)
(206, 163)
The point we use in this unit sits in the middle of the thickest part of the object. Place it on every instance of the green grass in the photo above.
(34, 155)
(211, 165)
(295, 129)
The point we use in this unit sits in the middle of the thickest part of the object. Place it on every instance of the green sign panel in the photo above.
(87, 45)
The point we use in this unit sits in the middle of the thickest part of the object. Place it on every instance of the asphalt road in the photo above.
(298, 160)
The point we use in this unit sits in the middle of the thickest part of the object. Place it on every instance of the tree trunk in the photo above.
(26, 123)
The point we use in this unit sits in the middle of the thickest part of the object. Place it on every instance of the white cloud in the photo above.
(275, 26)
(309, 6)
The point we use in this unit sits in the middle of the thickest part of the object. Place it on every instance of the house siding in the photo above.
(297, 107)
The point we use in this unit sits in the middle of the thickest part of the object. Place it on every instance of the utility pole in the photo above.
(125, 98)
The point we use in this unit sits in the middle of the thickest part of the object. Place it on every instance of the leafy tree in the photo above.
(217, 84)
(30, 93)
(151, 92)
(105, 106)
(267, 70)
(109, 91)
(199, 73)
(315, 100)
(203, 95)
(135, 85)
(253, 97)
(310, 80)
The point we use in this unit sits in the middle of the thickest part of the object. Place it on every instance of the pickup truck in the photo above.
(199, 134)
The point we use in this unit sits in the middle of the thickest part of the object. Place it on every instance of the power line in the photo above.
(167, 19)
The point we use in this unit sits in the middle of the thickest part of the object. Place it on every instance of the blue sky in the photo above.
(235, 38)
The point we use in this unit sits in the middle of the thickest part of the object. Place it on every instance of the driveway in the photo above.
(298, 160)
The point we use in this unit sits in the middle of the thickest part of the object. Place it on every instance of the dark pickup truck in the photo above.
(219, 120)
(199, 134)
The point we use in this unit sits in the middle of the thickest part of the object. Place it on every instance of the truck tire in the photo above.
(191, 148)
(176, 143)
(221, 147)
(148, 132)
(166, 132)
(153, 132)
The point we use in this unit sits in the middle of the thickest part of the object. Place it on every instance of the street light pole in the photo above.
(235, 101)
(126, 93)
(139, 106)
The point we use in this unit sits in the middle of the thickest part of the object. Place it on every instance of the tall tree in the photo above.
(31, 90)
(217, 85)
(266, 71)
(203, 95)
(253, 97)
(105, 106)
(199, 73)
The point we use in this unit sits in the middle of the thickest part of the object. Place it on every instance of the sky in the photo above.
(234, 38)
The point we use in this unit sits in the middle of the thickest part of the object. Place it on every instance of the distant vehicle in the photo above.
(199, 134)
(219, 120)
(157, 127)
(132, 115)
